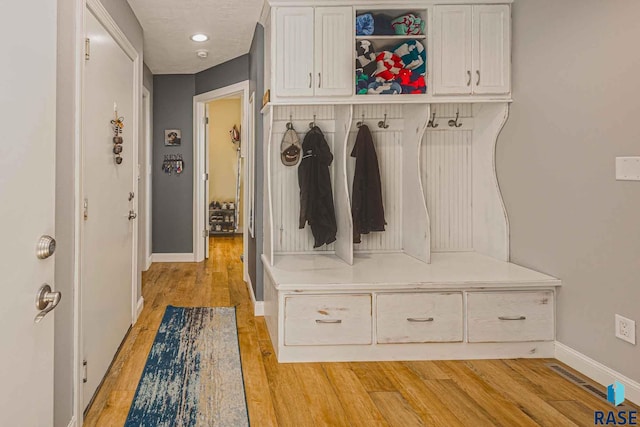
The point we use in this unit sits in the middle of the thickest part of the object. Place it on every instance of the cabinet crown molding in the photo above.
(381, 4)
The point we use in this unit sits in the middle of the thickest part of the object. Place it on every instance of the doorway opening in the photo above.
(220, 154)
(225, 186)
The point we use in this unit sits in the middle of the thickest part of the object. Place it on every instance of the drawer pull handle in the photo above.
(512, 317)
(328, 321)
(420, 319)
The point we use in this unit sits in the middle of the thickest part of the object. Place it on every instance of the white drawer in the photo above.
(419, 317)
(327, 319)
(510, 316)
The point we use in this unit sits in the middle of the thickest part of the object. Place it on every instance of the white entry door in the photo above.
(108, 228)
(27, 195)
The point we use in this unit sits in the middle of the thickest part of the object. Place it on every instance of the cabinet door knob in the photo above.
(478, 81)
(310, 79)
(469, 78)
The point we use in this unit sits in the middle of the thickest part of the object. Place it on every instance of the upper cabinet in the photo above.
(471, 50)
(417, 51)
(294, 51)
(312, 56)
(333, 57)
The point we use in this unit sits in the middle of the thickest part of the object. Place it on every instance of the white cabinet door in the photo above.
(491, 49)
(452, 50)
(333, 51)
(294, 51)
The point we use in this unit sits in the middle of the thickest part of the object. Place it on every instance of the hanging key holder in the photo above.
(118, 125)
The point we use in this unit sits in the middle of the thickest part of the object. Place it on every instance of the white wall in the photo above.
(577, 102)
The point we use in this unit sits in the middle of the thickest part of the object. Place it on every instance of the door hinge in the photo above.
(86, 209)
(206, 120)
(84, 371)
(205, 233)
(87, 49)
(205, 176)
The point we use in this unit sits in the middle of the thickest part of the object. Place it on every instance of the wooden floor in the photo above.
(444, 393)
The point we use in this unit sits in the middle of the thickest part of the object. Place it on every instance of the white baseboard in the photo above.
(173, 257)
(148, 262)
(72, 423)
(258, 306)
(597, 371)
(139, 307)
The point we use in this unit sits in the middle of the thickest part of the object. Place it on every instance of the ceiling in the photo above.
(169, 24)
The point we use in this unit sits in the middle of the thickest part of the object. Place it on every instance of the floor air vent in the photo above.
(595, 390)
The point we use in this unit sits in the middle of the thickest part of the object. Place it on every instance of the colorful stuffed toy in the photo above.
(364, 24)
(362, 83)
(409, 24)
(388, 65)
(411, 82)
(365, 58)
(385, 88)
(413, 55)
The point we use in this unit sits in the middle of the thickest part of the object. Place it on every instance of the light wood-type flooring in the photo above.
(444, 393)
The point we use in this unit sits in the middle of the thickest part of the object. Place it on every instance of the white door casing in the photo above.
(452, 61)
(333, 57)
(295, 47)
(107, 233)
(27, 191)
(491, 49)
(206, 183)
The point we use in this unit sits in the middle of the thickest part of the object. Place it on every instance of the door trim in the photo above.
(103, 17)
(148, 181)
(199, 203)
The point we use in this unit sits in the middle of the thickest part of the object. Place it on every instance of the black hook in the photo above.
(359, 124)
(313, 123)
(290, 124)
(454, 123)
(382, 124)
(432, 123)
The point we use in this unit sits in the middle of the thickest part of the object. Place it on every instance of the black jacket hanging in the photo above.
(316, 196)
(366, 208)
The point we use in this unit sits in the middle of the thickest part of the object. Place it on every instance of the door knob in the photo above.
(46, 301)
(132, 215)
(46, 247)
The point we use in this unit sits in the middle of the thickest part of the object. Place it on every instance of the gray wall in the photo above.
(256, 84)
(173, 108)
(63, 350)
(225, 74)
(173, 194)
(575, 71)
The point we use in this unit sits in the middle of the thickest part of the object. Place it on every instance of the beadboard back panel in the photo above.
(446, 167)
(388, 144)
(287, 237)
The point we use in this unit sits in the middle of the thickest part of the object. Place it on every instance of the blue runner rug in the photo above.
(193, 375)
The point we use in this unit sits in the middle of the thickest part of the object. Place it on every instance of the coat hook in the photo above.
(454, 123)
(360, 123)
(382, 124)
(432, 123)
(313, 123)
(290, 124)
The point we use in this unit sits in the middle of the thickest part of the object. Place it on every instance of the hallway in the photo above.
(442, 393)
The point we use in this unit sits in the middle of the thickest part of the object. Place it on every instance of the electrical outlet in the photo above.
(625, 329)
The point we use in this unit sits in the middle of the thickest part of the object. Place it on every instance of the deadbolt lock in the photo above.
(46, 247)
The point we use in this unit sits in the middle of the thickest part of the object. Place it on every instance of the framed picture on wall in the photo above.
(172, 137)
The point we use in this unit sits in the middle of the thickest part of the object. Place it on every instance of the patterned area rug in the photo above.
(193, 376)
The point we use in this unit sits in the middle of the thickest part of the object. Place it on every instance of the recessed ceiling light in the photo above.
(199, 37)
